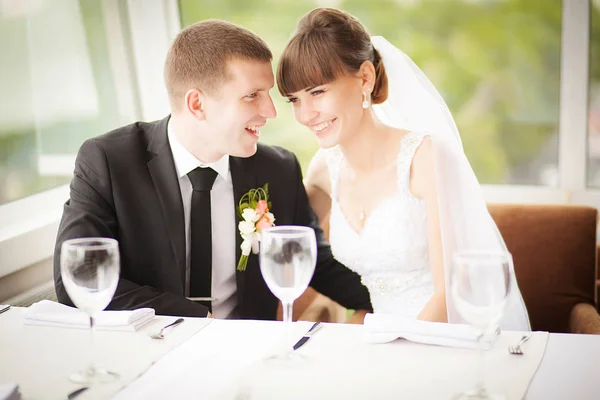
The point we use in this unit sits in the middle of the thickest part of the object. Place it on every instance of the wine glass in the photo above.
(480, 285)
(288, 255)
(89, 269)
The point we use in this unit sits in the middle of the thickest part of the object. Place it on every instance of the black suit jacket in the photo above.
(125, 186)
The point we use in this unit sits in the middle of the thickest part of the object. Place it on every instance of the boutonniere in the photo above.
(253, 210)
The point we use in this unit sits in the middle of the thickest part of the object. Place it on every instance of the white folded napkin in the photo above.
(383, 328)
(9, 391)
(50, 313)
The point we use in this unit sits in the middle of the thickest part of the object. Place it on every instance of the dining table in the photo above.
(205, 358)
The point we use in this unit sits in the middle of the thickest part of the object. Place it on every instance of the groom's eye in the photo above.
(251, 96)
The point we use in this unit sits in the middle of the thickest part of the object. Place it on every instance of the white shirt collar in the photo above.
(186, 162)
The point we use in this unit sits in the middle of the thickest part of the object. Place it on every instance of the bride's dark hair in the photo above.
(327, 44)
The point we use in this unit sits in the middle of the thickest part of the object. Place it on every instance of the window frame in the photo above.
(140, 32)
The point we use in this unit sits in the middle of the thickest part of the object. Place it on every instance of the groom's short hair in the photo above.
(198, 57)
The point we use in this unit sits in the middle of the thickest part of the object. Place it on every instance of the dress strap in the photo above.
(408, 146)
(334, 158)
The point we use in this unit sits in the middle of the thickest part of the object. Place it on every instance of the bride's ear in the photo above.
(366, 73)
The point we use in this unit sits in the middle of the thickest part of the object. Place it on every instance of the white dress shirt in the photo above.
(222, 215)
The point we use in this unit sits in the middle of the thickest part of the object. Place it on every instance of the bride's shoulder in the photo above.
(423, 150)
(317, 174)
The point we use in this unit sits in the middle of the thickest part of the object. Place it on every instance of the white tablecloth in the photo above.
(335, 363)
(216, 361)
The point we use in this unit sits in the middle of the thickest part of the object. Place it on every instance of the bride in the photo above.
(391, 184)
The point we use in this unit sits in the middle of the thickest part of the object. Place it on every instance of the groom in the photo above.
(168, 190)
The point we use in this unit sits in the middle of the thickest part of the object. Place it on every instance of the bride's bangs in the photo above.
(307, 61)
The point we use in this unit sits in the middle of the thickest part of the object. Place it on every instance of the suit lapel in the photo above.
(164, 176)
(163, 173)
(244, 178)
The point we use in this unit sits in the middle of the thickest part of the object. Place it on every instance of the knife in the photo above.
(307, 335)
(4, 308)
(76, 392)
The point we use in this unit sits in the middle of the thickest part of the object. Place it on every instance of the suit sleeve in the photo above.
(90, 212)
(331, 278)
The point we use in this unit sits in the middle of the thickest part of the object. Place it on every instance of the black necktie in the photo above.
(201, 239)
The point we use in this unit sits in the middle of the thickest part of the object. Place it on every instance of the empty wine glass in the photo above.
(480, 285)
(288, 255)
(89, 270)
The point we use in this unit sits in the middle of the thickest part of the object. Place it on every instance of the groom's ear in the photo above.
(366, 72)
(195, 103)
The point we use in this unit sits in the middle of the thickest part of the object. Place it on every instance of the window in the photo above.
(593, 167)
(497, 64)
(58, 89)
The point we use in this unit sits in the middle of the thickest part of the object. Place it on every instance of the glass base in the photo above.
(478, 394)
(256, 383)
(290, 358)
(93, 375)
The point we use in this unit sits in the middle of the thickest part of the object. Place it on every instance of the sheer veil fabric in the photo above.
(414, 104)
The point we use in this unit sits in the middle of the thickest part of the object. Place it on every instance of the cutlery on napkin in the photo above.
(384, 328)
(50, 313)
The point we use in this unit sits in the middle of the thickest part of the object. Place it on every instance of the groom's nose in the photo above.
(267, 109)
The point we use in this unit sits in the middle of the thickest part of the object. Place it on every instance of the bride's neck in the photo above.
(371, 146)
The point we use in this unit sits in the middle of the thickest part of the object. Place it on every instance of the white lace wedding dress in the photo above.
(390, 252)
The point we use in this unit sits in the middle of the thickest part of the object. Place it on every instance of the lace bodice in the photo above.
(390, 252)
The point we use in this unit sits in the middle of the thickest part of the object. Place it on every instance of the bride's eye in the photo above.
(291, 100)
(317, 92)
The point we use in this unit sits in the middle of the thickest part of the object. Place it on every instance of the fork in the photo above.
(517, 349)
(160, 334)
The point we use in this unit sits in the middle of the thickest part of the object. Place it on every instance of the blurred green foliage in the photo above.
(496, 63)
(21, 146)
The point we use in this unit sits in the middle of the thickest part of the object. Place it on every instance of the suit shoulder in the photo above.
(118, 134)
(125, 138)
(275, 155)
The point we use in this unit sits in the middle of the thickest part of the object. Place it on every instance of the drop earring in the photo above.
(365, 103)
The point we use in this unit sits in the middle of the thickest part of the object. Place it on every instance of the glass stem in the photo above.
(92, 366)
(480, 386)
(288, 307)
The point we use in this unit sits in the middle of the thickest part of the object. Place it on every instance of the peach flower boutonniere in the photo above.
(253, 210)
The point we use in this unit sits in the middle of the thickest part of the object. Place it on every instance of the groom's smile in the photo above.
(254, 129)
